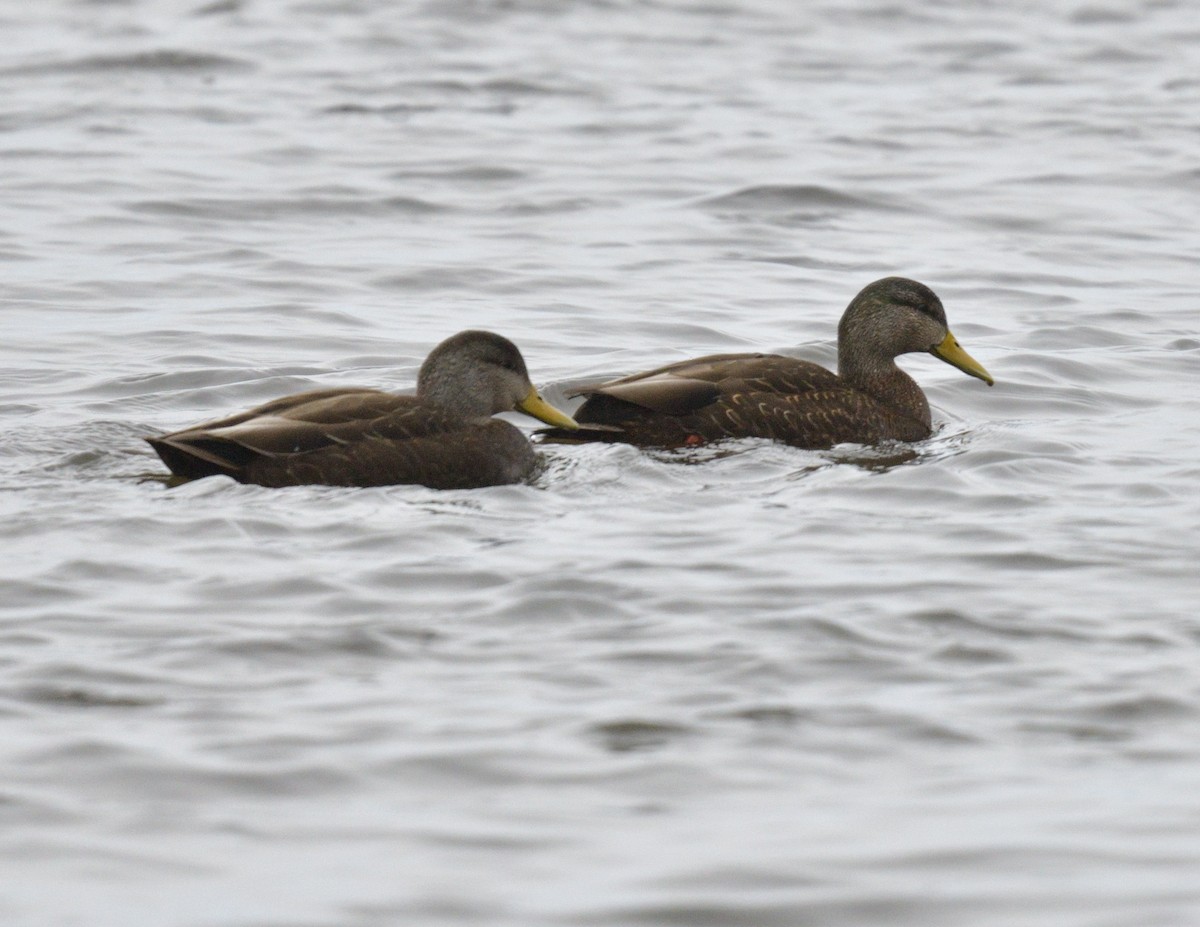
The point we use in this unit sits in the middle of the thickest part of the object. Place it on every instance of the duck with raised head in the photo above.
(444, 437)
(868, 401)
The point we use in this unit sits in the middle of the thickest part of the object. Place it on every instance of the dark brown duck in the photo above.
(869, 399)
(443, 437)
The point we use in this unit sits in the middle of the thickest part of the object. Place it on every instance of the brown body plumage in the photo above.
(442, 437)
(797, 402)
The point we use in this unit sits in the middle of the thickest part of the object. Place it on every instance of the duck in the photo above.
(869, 400)
(444, 437)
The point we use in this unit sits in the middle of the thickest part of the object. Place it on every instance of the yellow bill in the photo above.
(536, 406)
(952, 353)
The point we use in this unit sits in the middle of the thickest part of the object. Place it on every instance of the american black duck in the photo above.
(867, 401)
(443, 437)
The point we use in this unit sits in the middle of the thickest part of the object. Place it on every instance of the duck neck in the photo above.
(888, 384)
(453, 394)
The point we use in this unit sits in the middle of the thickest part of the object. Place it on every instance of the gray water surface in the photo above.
(950, 683)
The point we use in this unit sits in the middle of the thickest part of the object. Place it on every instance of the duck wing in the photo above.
(349, 437)
(730, 395)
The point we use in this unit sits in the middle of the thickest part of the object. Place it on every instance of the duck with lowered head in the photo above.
(443, 437)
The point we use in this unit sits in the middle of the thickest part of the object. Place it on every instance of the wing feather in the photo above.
(351, 437)
(735, 395)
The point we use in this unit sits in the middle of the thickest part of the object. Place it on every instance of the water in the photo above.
(740, 685)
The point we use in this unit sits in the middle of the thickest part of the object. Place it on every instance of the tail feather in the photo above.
(587, 431)
(197, 457)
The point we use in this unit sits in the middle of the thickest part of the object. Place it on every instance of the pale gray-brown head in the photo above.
(477, 374)
(896, 316)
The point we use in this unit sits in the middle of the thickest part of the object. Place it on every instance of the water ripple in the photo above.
(167, 60)
(744, 683)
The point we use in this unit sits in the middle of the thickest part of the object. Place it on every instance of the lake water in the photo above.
(957, 683)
